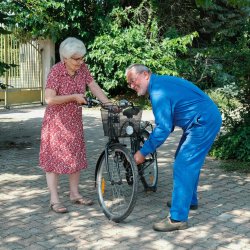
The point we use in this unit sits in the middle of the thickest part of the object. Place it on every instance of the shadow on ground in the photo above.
(222, 220)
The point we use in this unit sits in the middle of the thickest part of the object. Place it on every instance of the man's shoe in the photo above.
(166, 225)
(192, 207)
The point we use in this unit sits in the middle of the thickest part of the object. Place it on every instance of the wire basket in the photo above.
(115, 124)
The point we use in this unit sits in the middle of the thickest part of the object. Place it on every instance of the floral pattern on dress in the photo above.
(62, 148)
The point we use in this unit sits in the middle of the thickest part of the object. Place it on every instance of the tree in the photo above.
(132, 36)
(56, 19)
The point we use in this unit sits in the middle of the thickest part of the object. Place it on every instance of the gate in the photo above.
(23, 82)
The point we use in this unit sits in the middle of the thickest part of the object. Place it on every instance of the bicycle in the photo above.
(116, 173)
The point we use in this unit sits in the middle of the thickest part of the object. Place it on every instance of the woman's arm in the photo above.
(98, 92)
(51, 98)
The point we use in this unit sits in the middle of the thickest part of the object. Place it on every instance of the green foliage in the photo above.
(56, 19)
(218, 61)
(234, 144)
(229, 52)
(132, 36)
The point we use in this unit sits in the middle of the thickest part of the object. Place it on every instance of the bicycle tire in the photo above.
(117, 196)
(148, 171)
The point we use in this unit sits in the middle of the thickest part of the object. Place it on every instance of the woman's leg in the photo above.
(73, 185)
(75, 196)
(52, 182)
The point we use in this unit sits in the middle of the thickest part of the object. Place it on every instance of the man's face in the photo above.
(138, 81)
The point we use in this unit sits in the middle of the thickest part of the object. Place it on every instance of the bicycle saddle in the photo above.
(130, 112)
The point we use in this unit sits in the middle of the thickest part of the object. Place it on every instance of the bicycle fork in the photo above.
(111, 179)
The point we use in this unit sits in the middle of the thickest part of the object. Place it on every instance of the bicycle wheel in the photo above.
(148, 171)
(117, 183)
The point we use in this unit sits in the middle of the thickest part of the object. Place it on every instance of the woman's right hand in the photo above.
(80, 99)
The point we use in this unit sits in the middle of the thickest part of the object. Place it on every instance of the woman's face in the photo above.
(73, 63)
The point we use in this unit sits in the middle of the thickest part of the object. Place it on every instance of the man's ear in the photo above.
(146, 74)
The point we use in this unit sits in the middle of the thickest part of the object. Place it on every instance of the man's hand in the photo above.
(139, 158)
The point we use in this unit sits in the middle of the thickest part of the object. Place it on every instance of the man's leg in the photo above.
(195, 196)
(189, 160)
(194, 201)
(190, 157)
(186, 173)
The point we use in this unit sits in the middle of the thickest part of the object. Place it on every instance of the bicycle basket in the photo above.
(115, 124)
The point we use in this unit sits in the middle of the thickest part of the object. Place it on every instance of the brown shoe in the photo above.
(166, 225)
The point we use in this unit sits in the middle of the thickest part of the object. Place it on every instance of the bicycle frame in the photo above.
(116, 173)
(114, 139)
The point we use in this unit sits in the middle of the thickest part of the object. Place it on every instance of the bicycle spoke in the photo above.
(117, 195)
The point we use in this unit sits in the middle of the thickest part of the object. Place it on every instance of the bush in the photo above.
(128, 39)
(233, 145)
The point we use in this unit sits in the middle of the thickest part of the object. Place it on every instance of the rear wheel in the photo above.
(148, 171)
(117, 183)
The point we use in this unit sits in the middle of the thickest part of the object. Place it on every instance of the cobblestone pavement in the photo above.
(221, 222)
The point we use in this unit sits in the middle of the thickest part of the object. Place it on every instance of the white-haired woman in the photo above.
(62, 149)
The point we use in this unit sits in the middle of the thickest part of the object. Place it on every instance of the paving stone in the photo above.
(221, 221)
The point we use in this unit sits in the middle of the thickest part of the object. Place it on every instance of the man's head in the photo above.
(138, 76)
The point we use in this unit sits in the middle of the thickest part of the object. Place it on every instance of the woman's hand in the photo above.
(52, 98)
(139, 158)
(80, 99)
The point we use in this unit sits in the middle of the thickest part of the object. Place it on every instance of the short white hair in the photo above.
(138, 68)
(71, 46)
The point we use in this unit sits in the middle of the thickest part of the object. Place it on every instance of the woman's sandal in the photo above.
(82, 201)
(58, 208)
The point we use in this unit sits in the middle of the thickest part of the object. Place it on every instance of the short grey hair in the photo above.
(71, 46)
(138, 68)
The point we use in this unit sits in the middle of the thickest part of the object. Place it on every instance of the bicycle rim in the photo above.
(117, 190)
(148, 171)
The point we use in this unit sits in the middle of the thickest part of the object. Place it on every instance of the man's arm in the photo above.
(163, 112)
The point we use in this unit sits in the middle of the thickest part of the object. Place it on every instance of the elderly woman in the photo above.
(62, 149)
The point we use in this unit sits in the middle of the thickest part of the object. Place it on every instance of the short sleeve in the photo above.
(53, 80)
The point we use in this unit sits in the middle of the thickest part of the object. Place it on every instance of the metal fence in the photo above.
(24, 81)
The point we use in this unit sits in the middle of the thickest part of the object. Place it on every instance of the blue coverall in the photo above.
(178, 102)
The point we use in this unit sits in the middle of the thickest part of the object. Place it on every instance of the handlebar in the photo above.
(116, 108)
(90, 102)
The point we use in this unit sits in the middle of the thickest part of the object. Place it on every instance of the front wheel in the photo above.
(148, 171)
(117, 183)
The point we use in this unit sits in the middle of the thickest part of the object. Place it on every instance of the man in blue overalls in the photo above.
(177, 102)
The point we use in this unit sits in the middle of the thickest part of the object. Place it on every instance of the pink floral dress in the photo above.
(62, 148)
